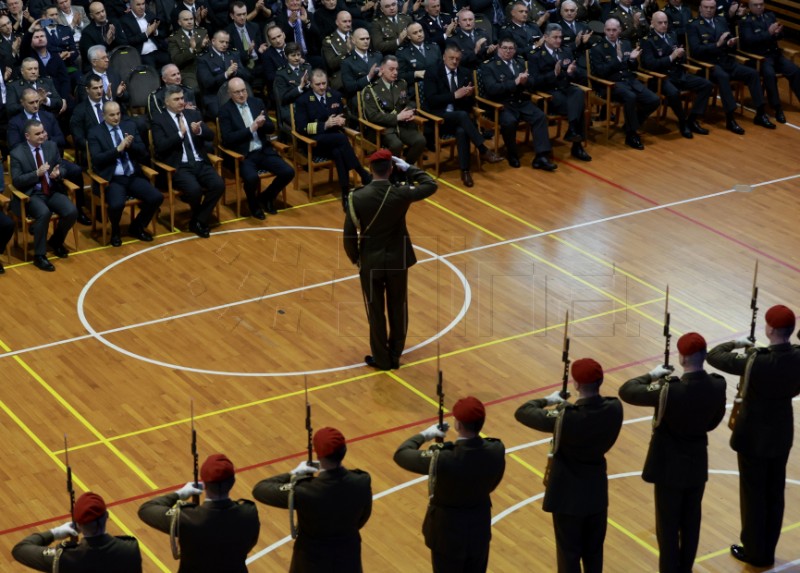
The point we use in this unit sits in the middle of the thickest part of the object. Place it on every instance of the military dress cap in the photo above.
(690, 343)
(780, 316)
(217, 467)
(587, 371)
(469, 409)
(328, 441)
(88, 508)
(381, 155)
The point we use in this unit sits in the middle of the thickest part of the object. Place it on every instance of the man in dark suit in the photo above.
(613, 59)
(661, 53)
(142, 28)
(35, 171)
(462, 476)
(60, 40)
(331, 507)
(577, 38)
(179, 136)
(577, 489)
(416, 56)
(686, 409)
(448, 93)
(475, 44)
(244, 128)
(116, 150)
(101, 32)
(216, 67)
(291, 81)
(216, 535)
(320, 116)
(274, 57)
(245, 37)
(294, 20)
(526, 35)
(114, 88)
(30, 78)
(88, 113)
(711, 41)
(678, 16)
(377, 241)
(763, 431)
(170, 75)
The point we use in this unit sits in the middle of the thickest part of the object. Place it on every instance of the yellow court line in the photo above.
(32, 435)
(631, 535)
(80, 418)
(578, 249)
(526, 465)
(727, 549)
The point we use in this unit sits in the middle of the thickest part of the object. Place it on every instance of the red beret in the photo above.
(780, 316)
(690, 343)
(328, 441)
(380, 155)
(587, 371)
(469, 409)
(217, 467)
(88, 508)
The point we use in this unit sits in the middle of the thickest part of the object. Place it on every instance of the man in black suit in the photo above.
(416, 56)
(449, 93)
(686, 409)
(577, 489)
(244, 128)
(274, 57)
(88, 113)
(376, 240)
(143, 31)
(35, 171)
(179, 136)
(114, 88)
(245, 37)
(116, 150)
(101, 32)
(30, 78)
(170, 75)
(216, 67)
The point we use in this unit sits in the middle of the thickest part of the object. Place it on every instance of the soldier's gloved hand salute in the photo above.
(435, 432)
(303, 468)
(400, 163)
(554, 398)
(189, 490)
(659, 372)
(64, 531)
(743, 342)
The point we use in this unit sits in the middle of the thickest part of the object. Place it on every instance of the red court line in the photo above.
(682, 216)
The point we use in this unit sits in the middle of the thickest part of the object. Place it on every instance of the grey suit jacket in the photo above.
(23, 165)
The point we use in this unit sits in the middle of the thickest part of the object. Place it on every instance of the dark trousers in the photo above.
(459, 123)
(264, 160)
(338, 148)
(580, 538)
(702, 88)
(475, 560)
(778, 64)
(120, 188)
(678, 513)
(571, 102)
(722, 76)
(637, 101)
(6, 231)
(40, 208)
(761, 502)
(510, 117)
(191, 180)
(386, 293)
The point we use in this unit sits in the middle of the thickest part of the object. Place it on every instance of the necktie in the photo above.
(99, 113)
(105, 82)
(298, 34)
(511, 67)
(187, 140)
(247, 118)
(245, 42)
(123, 157)
(711, 23)
(322, 101)
(572, 27)
(3, 88)
(421, 49)
(453, 82)
(43, 179)
(619, 50)
(280, 52)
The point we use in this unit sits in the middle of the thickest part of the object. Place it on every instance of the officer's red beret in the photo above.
(780, 316)
(690, 343)
(89, 507)
(469, 409)
(587, 371)
(217, 467)
(327, 441)
(381, 155)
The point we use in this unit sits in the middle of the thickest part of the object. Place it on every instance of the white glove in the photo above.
(554, 398)
(659, 372)
(401, 165)
(742, 342)
(64, 531)
(434, 431)
(303, 468)
(189, 490)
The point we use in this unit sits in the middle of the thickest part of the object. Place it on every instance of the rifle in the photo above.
(741, 389)
(565, 359)
(667, 334)
(554, 442)
(658, 415)
(195, 498)
(309, 429)
(70, 489)
(439, 393)
(293, 530)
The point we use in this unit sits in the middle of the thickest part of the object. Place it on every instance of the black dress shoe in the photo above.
(697, 128)
(116, 240)
(634, 141)
(370, 361)
(763, 121)
(780, 117)
(41, 262)
(466, 179)
(685, 131)
(738, 552)
(513, 161)
(140, 234)
(731, 125)
(2, 270)
(542, 162)
(573, 136)
(395, 364)
(491, 157)
(578, 152)
(259, 214)
(83, 219)
(59, 250)
(269, 207)
(199, 229)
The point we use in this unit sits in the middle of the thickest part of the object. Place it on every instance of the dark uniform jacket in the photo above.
(467, 471)
(214, 537)
(384, 32)
(568, 40)
(765, 427)
(355, 71)
(541, 67)
(524, 35)
(287, 82)
(16, 129)
(311, 114)
(271, 62)
(434, 31)
(628, 29)
(211, 69)
(14, 95)
(155, 101)
(606, 64)
(387, 244)
(703, 39)
(99, 554)
(678, 453)
(411, 60)
(94, 35)
(678, 18)
(754, 36)
(656, 52)
(499, 83)
(469, 58)
(578, 479)
(331, 509)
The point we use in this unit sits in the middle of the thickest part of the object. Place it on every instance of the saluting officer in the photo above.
(97, 551)
(686, 409)
(331, 507)
(463, 474)
(577, 491)
(764, 430)
(388, 103)
(214, 536)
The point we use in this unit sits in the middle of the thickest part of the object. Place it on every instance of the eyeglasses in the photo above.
(507, 48)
